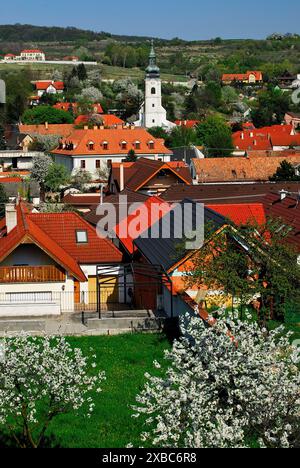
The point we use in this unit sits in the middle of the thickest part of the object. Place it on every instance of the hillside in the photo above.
(127, 55)
(30, 33)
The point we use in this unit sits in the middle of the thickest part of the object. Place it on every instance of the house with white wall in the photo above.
(95, 149)
(49, 87)
(48, 263)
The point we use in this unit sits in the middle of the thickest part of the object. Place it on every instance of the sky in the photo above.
(187, 19)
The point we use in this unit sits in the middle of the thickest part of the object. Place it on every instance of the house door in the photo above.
(108, 289)
(76, 292)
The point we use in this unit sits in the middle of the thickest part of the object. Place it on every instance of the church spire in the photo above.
(152, 69)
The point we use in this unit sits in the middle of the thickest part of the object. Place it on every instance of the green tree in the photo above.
(39, 171)
(285, 172)
(183, 137)
(56, 177)
(131, 156)
(81, 72)
(272, 107)
(216, 136)
(267, 267)
(42, 114)
(3, 201)
(81, 179)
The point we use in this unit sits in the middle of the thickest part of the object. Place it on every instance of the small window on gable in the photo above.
(151, 144)
(137, 145)
(153, 90)
(81, 237)
(105, 145)
(91, 145)
(124, 145)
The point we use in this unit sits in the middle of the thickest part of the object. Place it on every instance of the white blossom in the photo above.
(227, 386)
(41, 378)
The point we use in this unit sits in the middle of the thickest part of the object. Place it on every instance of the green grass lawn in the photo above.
(125, 360)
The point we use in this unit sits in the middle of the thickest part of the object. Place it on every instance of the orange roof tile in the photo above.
(242, 214)
(43, 85)
(62, 130)
(239, 169)
(55, 233)
(137, 174)
(81, 140)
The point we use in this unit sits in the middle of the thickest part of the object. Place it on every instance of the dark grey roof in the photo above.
(186, 155)
(166, 252)
(12, 189)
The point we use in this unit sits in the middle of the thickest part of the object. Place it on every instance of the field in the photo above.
(44, 71)
(125, 360)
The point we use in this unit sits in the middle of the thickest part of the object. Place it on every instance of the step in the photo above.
(22, 325)
(131, 323)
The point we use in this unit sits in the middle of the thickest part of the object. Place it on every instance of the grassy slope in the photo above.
(125, 360)
(45, 71)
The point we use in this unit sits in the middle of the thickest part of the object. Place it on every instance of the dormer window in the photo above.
(151, 145)
(91, 145)
(124, 145)
(81, 237)
(105, 145)
(137, 145)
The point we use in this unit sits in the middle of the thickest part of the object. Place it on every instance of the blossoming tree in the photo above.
(224, 389)
(41, 378)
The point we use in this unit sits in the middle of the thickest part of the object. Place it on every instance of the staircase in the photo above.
(125, 321)
(111, 323)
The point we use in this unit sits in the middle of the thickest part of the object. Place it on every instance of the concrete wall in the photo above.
(73, 163)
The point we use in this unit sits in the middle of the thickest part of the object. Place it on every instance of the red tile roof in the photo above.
(139, 173)
(82, 199)
(97, 108)
(9, 180)
(242, 214)
(145, 216)
(62, 130)
(287, 210)
(242, 76)
(108, 120)
(81, 140)
(239, 169)
(55, 233)
(187, 123)
(31, 51)
(266, 138)
(131, 197)
(43, 85)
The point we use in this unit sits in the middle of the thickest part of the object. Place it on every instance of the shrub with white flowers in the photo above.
(41, 378)
(230, 385)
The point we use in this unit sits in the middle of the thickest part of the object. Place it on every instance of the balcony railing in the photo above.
(31, 274)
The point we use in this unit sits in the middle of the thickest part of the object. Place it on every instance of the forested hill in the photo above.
(29, 33)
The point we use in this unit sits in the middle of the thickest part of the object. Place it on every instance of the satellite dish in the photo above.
(2, 92)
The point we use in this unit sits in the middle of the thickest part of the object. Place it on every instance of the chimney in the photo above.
(10, 216)
(251, 134)
(96, 127)
(86, 127)
(121, 178)
(242, 136)
(46, 126)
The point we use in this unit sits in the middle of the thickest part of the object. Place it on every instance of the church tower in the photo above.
(152, 113)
